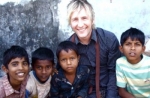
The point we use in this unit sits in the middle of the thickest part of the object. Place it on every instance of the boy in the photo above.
(133, 69)
(38, 85)
(16, 67)
(72, 79)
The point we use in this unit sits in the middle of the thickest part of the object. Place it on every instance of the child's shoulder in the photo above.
(2, 88)
(146, 59)
(83, 68)
(4, 84)
(3, 79)
(31, 76)
(121, 59)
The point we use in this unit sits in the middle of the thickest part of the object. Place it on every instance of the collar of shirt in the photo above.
(8, 88)
(78, 76)
(93, 37)
(33, 75)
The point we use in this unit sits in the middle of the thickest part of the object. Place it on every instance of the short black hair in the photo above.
(133, 33)
(14, 52)
(42, 53)
(66, 45)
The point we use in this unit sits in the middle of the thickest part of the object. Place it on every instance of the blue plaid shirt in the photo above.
(62, 88)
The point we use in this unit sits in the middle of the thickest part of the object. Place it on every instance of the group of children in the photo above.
(17, 83)
(71, 80)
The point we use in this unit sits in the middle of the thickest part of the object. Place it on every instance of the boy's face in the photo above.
(43, 69)
(18, 69)
(68, 61)
(132, 49)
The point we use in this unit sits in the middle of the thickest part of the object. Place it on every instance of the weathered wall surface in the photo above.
(31, 25)
(35, 23)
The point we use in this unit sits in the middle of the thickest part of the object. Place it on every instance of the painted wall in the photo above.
(116, 16)
(35, 23)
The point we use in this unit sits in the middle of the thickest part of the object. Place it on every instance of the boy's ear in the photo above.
(121, 49)
(144, 48)
(78, 58)
(32, 66)
(4, 69)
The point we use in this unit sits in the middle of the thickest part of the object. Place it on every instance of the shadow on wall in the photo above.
(31, 25)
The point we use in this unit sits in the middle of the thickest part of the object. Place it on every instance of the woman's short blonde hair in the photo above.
(75, 5)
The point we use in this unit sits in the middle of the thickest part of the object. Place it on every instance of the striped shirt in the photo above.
(7, 91)
(134, 77)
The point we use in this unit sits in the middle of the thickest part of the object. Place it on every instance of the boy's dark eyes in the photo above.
(72, 58)
(39, 67)
(49, 67)
(137, 44)
(17, 63)
(25, 63)
(14, 64)
(127, 44)
(63, 60)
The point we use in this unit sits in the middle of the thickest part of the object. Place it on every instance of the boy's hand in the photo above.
(124, 94)
(55, 71)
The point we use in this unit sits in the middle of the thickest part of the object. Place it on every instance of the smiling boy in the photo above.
(16, 67)
(133, 69)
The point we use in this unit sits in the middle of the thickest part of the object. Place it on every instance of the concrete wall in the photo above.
(30, 24)
(35, 23)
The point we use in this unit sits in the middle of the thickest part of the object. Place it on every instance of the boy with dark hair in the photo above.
(133, 69)
(72, 79)
(38, 85)
(16, 67)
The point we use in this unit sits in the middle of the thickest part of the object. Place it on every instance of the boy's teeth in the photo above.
(132, 54)
(20, 74)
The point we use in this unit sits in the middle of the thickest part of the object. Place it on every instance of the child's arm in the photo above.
(54, 90)
(84, 90)
(30, 86)
(124, 94)
(122, 81)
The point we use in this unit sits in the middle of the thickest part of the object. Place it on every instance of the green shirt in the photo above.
(134, 77)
